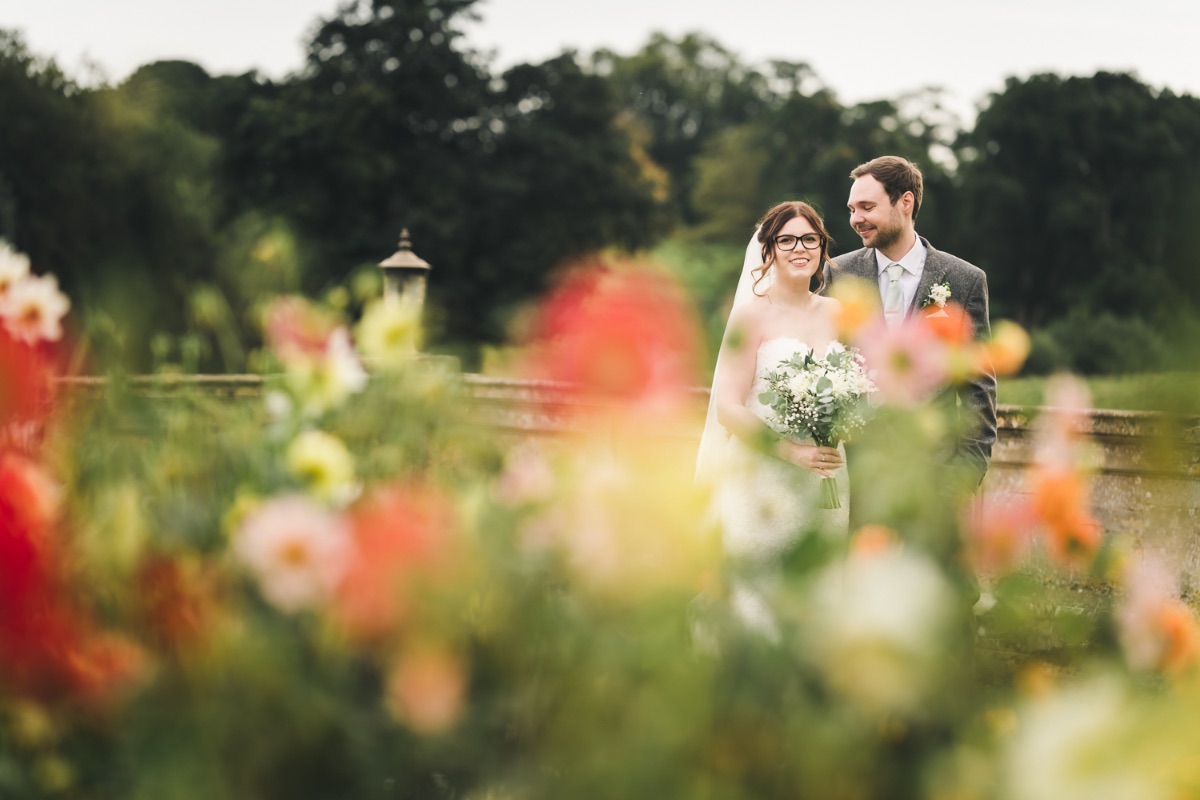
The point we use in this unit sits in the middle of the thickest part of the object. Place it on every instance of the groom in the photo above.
(884, 201)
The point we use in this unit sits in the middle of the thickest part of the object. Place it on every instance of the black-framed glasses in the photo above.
(809, 241)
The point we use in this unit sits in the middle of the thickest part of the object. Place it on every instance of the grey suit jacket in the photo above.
(968, 287)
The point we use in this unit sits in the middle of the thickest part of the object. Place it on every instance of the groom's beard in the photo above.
(888, 234)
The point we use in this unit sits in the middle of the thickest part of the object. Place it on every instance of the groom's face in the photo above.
(874, 218)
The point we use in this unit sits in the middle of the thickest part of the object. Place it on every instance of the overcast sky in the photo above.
(863, 50)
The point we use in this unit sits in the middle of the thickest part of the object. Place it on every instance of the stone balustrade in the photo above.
(1146, 485)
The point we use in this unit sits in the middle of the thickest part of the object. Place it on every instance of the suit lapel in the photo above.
(933, 272)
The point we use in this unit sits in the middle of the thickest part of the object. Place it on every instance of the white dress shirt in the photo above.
(914, 264)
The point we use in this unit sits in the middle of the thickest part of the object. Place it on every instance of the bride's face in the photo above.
(800, 262)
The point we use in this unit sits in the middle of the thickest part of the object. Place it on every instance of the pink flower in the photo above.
(908, 363)
(296, 329)
(298, 551)
(998, 536)
(1157, 630)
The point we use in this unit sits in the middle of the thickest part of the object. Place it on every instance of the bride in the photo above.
(767, 486)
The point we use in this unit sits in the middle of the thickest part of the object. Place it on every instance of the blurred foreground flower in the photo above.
(297, 549)
(1087, 741)
(1006, 351)
(426, 688)
(31, 307)
(949, 322)
(389, 332)
(1157, 630)
(324, 465)
(908, 363)
(405, 544)
(619, 334)
(320, 364)
(999, 536)
(877, 628)
(860, 305)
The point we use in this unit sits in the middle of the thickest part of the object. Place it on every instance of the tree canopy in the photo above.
(178, 197)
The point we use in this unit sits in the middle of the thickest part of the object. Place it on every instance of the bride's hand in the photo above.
(821, 460)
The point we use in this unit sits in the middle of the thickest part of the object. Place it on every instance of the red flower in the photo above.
(404, 541)
(26, 373)
(619, 334)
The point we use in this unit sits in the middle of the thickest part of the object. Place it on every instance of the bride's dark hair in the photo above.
(773, 222)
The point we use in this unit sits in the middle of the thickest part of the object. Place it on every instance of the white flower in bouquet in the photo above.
(820, 398)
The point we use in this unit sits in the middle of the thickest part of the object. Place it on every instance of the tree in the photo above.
(1076, 190)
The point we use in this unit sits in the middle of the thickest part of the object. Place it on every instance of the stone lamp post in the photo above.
(405, 273)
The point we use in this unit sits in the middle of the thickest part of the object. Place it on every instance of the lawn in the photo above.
(1177, 392)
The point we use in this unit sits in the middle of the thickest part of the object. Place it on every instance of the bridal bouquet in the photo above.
(821, 397)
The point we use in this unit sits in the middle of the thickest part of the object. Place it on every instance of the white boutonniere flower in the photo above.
(939, 293)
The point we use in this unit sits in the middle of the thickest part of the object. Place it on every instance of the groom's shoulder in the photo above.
(949, 261)
(847, 262)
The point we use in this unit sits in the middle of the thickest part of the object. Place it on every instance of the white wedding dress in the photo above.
(765, 504)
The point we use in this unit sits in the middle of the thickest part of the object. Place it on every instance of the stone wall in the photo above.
(1146, 485)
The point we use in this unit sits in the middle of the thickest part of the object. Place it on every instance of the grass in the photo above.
(1176, 392)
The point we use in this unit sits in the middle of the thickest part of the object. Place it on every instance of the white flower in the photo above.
(326, 382)
(14, 267)
(834, 347)
(297, 550)
(939, 293)
(878, 628)
(1089, 741)
(33, 308)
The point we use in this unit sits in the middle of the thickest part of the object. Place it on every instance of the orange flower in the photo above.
(404, 539)
(426, 689)
(101, 666)
(175, 602)
(871, 540)
(1060, 503)
(1006, 351)
(860, 305)
(1181, 637)
(949, 323)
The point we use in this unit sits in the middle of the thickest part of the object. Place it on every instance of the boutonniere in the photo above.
(939, 293)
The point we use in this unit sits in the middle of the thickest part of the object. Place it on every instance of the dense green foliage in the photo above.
(180, 197)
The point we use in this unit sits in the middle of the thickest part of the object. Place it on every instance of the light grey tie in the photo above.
(893, 298)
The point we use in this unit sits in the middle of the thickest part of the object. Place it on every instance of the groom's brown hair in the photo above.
(769, 227)
(898, 175)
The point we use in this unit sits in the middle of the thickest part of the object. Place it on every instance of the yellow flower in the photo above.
(324, 464)
(389, 331)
